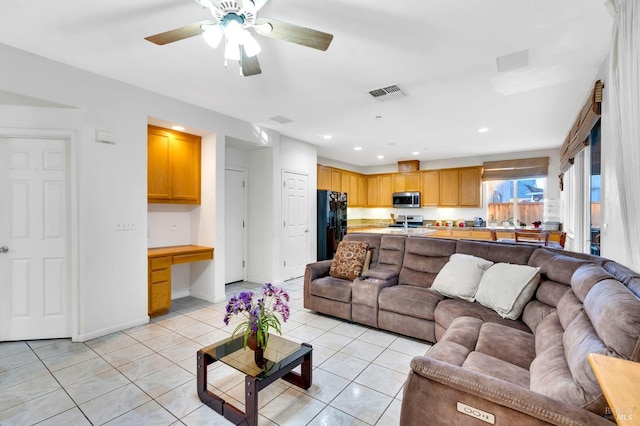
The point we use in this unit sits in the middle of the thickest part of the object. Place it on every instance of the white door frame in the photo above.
(282, 210)
(70, 138)
(245, 237)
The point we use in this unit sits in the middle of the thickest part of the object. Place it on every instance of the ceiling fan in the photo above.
(232, 21)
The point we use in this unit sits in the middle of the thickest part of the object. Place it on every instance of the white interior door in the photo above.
(296, 224)
(34, 285)
(234, 226)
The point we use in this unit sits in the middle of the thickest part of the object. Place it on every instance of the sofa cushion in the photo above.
(460, 276)
(614, 312)
(331, 288)
(409, 300)
(450, 309)
(496, 252)
(508, 344)
(506, 288)
(349, 260)
(423, 259)
(495, 367)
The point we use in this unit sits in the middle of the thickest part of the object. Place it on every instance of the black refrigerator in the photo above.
(332, 222)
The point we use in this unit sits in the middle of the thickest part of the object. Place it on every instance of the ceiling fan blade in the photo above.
(249, 64)
(179, 33)
(295, 34)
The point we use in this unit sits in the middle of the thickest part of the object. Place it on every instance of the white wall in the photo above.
(111, 266)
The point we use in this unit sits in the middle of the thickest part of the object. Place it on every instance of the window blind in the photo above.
(516, 169)
(578, 137)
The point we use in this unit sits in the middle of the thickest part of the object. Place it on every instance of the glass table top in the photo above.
(279, 353)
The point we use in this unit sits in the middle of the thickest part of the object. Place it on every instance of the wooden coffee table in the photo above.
(280, 357)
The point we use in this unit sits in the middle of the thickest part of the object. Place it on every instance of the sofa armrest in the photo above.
(318, 269)
(379, 274)
(444, 385)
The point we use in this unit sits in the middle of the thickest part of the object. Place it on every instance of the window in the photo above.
(515, 202)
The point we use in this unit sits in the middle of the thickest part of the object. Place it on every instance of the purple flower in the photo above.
(261, 313)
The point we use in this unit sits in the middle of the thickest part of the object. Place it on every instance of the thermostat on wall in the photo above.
(105, 136)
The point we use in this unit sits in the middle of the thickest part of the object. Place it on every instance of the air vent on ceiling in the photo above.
(513, 61)
(389, 92)
(280, 119)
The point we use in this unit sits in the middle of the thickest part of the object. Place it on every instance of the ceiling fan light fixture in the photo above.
(212, 35)
(265, 28)
(233, 29)
(251, 46)
(232, 51)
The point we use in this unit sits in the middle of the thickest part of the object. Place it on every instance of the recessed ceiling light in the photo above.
(483, 130)
(327, 137)
(178, 128)
(415, 153)
(380, 157)
(357, 148)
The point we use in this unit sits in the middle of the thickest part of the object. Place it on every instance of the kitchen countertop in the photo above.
(422, 231)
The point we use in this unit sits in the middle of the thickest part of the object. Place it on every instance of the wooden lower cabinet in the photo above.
(159, 285)
(160, 260)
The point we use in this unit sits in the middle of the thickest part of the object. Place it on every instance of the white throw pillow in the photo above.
(460, 276)
(507, 288)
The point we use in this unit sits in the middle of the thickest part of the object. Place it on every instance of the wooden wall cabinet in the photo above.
(405, 182)
(336, 180)
(324, 178)
(362, 191)
(373, 191)
(430, 193)
(385, 191)
(460, 187)
(470, 187)
(173, 167)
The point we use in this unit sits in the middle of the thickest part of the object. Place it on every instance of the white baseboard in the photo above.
(219, 299)
(179, 294)
(99, 333)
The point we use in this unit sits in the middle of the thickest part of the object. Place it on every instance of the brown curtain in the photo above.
(578, 137)
(516, 169)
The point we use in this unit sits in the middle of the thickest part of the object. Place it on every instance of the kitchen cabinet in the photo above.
(173, 167)
(350, 185)
(470, 186)
(336, 180)
(373, 191)
(160, 260)
(405, 182)
(362, 191)
(460, 187)
(353, 195)
(385, 191)
(430, 192)
(324, 178)
(449, 183)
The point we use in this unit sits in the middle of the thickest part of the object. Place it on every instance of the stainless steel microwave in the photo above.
(404, 200)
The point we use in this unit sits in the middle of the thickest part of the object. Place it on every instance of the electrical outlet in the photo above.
(174, 228)
(126, 226)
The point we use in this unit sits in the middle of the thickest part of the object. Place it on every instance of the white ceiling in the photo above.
(442, 53)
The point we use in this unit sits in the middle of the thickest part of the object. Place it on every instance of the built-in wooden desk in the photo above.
(620, 383)
(160, 261)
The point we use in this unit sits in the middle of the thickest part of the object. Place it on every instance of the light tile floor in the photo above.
(146, 375)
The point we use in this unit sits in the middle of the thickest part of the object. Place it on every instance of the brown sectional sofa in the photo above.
(529, 371)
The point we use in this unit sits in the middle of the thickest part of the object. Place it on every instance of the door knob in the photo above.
(4, 249)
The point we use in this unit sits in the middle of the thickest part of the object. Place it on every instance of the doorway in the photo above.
(35, 277)
(295, 212)
(235, 225)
